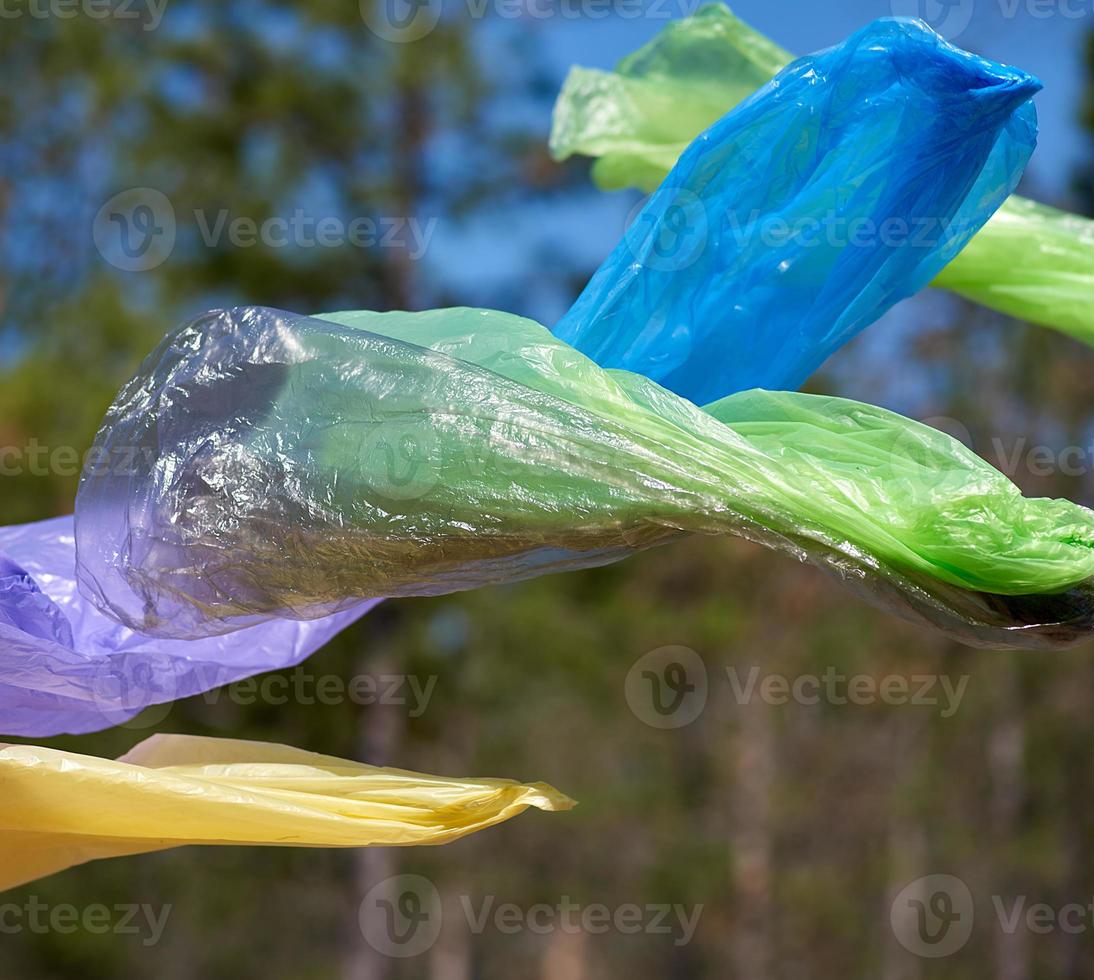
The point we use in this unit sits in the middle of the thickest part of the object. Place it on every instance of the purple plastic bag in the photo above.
(67, 668)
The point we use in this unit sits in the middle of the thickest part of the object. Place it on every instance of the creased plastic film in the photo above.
(1029, 260)
(839, 188)
(290, 466)
(66, 668)
(173, 790)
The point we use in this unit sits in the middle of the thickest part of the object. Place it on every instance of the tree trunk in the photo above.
(1006, 757)
(381, 734)
(750, 840)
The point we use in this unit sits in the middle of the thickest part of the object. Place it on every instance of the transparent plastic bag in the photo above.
(290, 465)
(62, 809)
(1028, 261)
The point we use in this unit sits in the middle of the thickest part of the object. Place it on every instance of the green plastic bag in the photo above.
(1029, 261)
(282, 465)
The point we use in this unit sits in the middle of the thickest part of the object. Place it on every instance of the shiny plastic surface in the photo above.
(1029, 261)
(289, 465)
(1033, 262)
(65, 667)
(841, 187)
(62, 809)
(637, 120)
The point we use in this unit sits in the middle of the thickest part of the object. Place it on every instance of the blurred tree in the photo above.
(235, 152)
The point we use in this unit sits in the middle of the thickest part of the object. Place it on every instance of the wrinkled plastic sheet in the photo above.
(842, 186)
(288, 466)
(173, 790)
(1033, 262)
(1029, 260)
(67, 667)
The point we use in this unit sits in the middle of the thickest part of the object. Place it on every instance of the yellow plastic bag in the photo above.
(59, 809)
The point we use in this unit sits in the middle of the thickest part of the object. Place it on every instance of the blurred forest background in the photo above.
(792, 825)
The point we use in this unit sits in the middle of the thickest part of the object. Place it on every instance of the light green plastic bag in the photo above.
(287, 465)
(1030, 261)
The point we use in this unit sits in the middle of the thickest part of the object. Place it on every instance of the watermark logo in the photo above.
(950, 18)
(667, 687)
(916, 449)
(669, 231)
(913, 449)
(405, 21)
(933, 916)
(135, 230)
(134, 693)
(401, 21)
(138, 693)
(401, 916)
(398, 459)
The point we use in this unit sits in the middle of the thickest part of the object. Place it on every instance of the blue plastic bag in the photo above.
(841, 187)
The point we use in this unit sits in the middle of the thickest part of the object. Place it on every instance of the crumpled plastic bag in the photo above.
(636, 121)
(896, 144)
(1029, 260)
(1033, 262)
(289, 465)
(173, 790)
(841, 187)
(65, 667)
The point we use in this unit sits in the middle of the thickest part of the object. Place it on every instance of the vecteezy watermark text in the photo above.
(933, 916)
(595, 918)
(36, 459)
(406, 21)
(401, 917)
(149, 13)
(674, 228)
(669, 688)
(127, 919)
(299, 687)
(832, 686)
(951, 18)
(301, 230)
(137, 230)
(140, 696)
